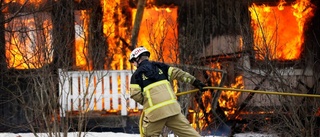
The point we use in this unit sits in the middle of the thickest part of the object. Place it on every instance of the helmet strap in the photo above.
(138, 60)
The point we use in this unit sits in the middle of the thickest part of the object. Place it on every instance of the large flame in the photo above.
(228, 100)
(278, 30)
(278, 33)
(158, 33)
(81, 29)
(28, 46)
(114, 28)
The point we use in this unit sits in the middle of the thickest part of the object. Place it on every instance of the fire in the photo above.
(114, 28)
(32, 49)
(81, 27)
(29, 46)
(159, 33)
(228, 100)
(25, 1)
(278, 30)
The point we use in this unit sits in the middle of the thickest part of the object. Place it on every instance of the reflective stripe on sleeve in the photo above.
(169, 73)
(133, 89)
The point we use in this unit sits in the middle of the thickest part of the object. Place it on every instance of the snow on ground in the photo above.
(72, 134)
(112, 134)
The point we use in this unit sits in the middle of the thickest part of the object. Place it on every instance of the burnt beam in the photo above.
(86, 4)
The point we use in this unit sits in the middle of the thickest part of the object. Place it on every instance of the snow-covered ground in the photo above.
(112, 134)
(72, 134)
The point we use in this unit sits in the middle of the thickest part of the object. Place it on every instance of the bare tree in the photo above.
(37, 41)
(42, 39)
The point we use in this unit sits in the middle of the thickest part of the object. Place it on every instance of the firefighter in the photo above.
(150, 86)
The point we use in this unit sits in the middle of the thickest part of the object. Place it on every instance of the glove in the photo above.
(198, 84)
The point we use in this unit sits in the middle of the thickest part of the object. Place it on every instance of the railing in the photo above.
(104, 90)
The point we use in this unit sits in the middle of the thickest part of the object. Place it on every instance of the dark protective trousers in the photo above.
(177, 123)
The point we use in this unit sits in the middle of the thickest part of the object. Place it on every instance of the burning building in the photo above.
(259, 44)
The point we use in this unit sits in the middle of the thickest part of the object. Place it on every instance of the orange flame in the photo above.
(278, 30)
(25, 1)
(81, 27)
(229, 99)
(159, 33)
(113, 28)
(28, 46)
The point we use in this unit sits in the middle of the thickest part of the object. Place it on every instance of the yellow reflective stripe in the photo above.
(148, 110)
(169, 73)
(149, 97)
(186, 79)
(141, 129)
(156, 84)
(134, 86)
(170, 91)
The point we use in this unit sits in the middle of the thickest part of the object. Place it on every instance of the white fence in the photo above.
(104, 90)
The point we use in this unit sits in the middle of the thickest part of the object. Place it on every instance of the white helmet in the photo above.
(137, 52)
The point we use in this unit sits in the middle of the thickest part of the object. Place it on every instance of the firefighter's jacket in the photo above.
(150, 86)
